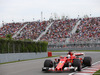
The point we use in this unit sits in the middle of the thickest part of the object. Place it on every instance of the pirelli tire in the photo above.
(55, 64)
(77, 63)
(48, 63)
(87, 61)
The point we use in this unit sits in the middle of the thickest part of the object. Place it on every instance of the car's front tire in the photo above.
(48, 63)
(77, 63)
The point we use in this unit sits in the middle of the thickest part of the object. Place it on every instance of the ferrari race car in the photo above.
(72, 61)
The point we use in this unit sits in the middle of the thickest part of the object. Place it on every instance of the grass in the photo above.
(97, 73)
(27, 60)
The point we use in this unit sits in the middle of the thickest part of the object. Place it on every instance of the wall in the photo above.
(92, 48)
(20, 56)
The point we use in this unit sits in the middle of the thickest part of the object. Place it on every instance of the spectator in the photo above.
(88, 30)
(59, 31)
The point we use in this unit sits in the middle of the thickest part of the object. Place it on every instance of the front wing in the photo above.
(54, 70)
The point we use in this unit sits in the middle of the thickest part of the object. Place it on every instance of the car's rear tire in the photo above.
(87, 61)
(48, 63)
(77, 63)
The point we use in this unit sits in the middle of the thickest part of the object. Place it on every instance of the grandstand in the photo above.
(32, 30)
(10, 28)
(87, 30)
(58, 33)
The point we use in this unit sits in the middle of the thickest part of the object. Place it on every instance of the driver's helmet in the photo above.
(68, 56)
(70, 53)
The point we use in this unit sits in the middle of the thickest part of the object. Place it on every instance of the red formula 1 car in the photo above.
(71, 62)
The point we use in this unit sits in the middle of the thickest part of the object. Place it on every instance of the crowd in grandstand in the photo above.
(10, 28)
(88, 30)
(59, 31)
(33, 30)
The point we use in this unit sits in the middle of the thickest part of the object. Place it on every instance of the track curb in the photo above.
(88, 70)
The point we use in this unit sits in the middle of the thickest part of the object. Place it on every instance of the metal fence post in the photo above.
(13, 48)
(8, 47)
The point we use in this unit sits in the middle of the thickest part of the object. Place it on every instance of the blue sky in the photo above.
(28, 9)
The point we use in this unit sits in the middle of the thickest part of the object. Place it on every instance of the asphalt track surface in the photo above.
(34, 67)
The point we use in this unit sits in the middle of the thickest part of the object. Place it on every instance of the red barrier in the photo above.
(49, 54)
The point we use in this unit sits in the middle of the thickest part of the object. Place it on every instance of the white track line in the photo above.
(95, 62)
(84, 68)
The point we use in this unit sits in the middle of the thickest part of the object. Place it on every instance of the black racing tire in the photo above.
(77, 63)
(55, 64)
(87, 61)
(48, 63)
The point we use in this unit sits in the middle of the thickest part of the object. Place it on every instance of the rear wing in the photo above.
(79, 54)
